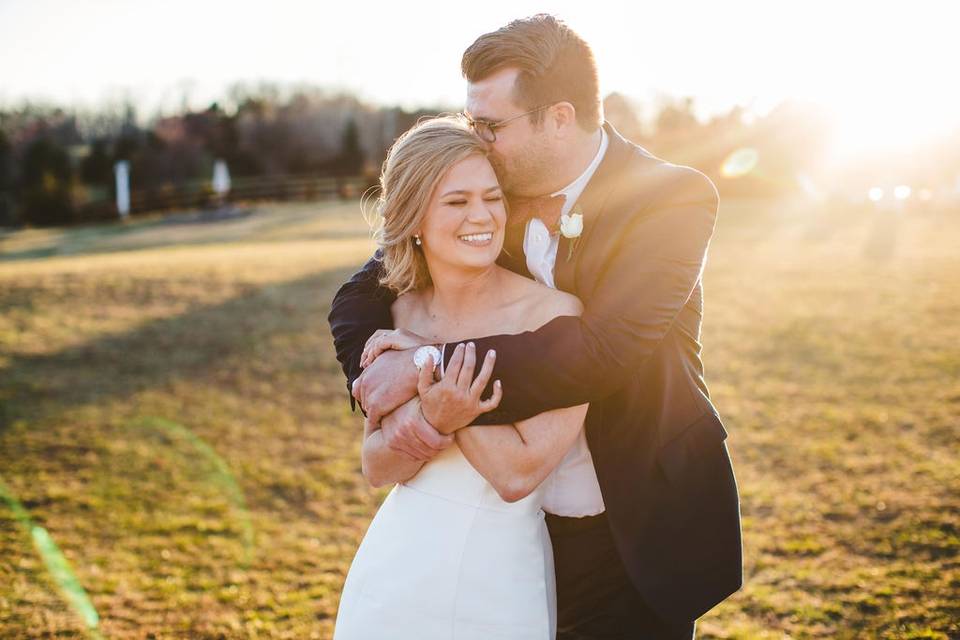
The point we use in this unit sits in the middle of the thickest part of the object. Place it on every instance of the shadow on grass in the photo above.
(189, 346)
(119, 237)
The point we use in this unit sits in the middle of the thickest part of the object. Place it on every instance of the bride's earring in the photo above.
(417, 240)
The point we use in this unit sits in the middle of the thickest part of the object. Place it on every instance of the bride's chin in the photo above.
(468, 258)
(474, 262)
(478, 265)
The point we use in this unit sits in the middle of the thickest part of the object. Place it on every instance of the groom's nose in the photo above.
(489, 146)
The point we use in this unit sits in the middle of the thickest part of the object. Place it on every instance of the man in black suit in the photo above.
(657, 544)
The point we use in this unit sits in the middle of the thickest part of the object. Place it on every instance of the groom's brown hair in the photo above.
(555, 65)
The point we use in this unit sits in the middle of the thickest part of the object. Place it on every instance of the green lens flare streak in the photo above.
(222, 474)
(56, 564)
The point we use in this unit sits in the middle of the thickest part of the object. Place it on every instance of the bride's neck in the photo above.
(459, 293)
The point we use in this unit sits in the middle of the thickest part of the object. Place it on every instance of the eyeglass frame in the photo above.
(493, 126)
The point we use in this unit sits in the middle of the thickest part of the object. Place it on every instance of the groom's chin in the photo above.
(503, 177)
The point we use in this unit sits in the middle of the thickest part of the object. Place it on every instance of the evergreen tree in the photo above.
(96, 168)
(350, 160)
(7, 215)
(45, 184)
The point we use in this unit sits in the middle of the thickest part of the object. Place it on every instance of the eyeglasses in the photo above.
(488, 130)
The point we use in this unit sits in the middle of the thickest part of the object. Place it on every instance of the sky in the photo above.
(885, 70)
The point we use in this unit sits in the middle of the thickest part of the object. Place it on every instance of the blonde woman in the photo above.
(459, 548)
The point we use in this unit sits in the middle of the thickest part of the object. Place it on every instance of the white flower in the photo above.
(571, 226)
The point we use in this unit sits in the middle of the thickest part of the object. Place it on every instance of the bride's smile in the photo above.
(478, 239)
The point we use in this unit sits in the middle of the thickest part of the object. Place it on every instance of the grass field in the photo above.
(173, 420)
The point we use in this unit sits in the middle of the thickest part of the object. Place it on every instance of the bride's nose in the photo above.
(480, 211)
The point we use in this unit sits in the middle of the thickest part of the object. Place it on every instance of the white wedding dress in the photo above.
(446, 558)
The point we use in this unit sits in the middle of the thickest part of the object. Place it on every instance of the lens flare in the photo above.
(222, 475)
(740, 163)
(57, 564)
(810, 188)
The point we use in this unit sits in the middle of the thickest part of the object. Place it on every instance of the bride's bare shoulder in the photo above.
(560, 303)
(541, 304)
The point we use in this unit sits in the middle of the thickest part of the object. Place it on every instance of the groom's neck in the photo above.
(575, 161)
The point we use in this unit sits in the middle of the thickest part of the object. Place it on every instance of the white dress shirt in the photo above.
(572, 488)
(539, 245)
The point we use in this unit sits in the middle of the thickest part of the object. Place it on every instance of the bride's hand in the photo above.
(384, 340)
(455, 402)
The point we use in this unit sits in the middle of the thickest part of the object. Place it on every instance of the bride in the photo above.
(459, 548)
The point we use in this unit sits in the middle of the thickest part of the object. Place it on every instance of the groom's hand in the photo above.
(407, 431)
(387, 383)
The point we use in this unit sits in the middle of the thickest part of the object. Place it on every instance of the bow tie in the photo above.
(547, 208)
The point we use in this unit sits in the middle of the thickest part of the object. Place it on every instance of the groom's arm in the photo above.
(649, 273)
(360, 307)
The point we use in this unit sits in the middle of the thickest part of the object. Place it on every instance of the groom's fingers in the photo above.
(476, 389)
(392, 437)
(375, 349)
(359, 391)
(408, 431)
(402, 437)
(371, 341)
(386, 341)
(365, 358)
(403, 447)
(432, 438)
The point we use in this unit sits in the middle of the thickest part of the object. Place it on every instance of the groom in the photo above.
(645, 524)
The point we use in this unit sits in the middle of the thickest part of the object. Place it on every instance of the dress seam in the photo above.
(463, 550)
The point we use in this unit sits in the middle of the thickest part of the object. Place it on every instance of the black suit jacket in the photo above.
(656, 439)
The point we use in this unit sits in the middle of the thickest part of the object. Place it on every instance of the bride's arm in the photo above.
(382, 464)
(515, 459)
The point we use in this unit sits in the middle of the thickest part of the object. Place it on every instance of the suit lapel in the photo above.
(592, 202)
(563, 267)
(512, 256)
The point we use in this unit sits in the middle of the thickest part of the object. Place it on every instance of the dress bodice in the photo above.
(451, 476)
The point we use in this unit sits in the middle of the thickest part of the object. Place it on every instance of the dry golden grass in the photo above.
(831, 346)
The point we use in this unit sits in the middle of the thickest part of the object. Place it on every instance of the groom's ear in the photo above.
(565, 117)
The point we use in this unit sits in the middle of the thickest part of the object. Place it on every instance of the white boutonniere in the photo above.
(571, 226)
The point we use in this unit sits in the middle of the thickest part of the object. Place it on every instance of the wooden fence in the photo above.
(99, 205)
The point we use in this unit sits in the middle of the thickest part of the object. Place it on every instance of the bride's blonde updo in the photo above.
(415, 164)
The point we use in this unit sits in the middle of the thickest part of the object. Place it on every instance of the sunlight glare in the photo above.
(740, 163)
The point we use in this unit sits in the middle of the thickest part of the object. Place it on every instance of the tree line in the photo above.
(56, 163)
